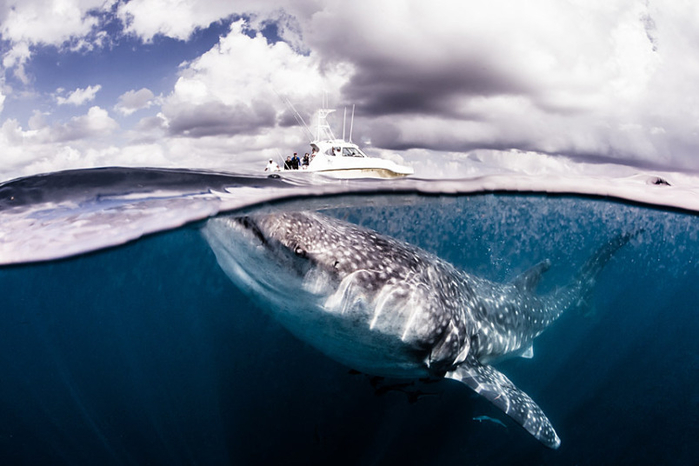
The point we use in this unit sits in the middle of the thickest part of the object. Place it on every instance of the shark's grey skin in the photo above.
(387, 308)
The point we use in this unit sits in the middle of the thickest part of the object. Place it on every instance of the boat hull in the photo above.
(353, 173)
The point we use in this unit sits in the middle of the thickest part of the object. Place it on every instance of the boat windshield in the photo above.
(345, 151)
(352, 152)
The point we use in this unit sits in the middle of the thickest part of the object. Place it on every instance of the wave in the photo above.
(58, 215)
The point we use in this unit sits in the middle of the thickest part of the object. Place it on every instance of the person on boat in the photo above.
(336, 151)
(287, 163)
(306, 160)
(314, 152)
(295, 161)
(272, 166)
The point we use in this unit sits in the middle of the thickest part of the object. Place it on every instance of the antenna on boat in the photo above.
(344, 124)
(351, 125)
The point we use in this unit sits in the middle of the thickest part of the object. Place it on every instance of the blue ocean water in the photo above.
(146, 353)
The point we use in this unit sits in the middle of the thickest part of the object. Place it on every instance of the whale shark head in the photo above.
(305, 240)
(261, 255)
(311, 252)
(287, 250)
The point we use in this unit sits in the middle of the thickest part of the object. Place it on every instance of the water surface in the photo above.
(146, 353)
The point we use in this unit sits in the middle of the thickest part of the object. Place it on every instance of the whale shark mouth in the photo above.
(272, 235)
(264, 232)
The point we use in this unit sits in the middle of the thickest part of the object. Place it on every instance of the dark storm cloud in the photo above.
(389, 135)
(287, 118)
(410, 87)
(414, 58)
(216, 118)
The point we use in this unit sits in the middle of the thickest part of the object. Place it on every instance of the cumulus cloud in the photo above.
(79, 96)
(132, 101)
(38, 120)
(172, 18)
(224, 111)
(26, 23)
(96, 123)
(232, 88)
(51, 22)
(82, 141)
(179, 19)
(16, 58)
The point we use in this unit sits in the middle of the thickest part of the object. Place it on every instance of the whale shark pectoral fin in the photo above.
(529, 280)
(499, 390)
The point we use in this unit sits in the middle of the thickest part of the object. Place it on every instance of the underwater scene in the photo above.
(149, 353)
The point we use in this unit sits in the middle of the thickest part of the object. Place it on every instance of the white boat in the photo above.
(338, 158)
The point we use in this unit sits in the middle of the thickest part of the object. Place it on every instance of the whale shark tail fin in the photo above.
(600, 258)
(499, 390)
(587, 277)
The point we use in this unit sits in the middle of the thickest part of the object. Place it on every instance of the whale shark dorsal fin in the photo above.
(529, 280)
(499, 390)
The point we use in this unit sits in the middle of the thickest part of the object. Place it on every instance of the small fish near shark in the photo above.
(490, 419)
(386, 308)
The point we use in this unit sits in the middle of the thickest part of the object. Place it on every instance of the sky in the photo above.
(444, 86)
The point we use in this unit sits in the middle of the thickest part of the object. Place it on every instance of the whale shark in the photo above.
(390, 309)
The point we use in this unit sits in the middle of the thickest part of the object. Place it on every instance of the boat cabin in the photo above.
(337, 147)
